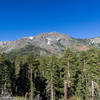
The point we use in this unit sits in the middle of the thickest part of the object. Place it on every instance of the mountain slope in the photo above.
(47, 44)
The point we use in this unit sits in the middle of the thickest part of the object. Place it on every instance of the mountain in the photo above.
(47, 44)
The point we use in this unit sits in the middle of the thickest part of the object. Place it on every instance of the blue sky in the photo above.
(77, 18)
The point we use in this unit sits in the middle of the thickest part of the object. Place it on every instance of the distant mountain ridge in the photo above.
(48, 44)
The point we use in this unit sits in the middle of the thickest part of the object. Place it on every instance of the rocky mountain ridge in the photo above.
(47, 44)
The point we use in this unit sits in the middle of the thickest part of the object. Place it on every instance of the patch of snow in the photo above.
(30, 38)
(49, 41)
(58, 39)
(96, 40)
(92, 41)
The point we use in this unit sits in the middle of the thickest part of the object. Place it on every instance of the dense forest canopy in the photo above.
(45, 76)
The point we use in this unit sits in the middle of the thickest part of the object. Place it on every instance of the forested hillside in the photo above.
(44, 77)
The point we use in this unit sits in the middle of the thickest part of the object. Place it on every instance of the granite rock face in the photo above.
(47, 44)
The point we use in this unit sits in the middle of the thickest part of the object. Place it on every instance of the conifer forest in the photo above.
(72, 76)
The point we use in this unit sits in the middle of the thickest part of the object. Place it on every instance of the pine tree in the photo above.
(23, 82)
(55, 79)
(59, 80)
(33, 64)
(4, 74)
(50, 78)
(71, 70)
(83, 81)
(43, 64)
(93, 70)
(17, 63)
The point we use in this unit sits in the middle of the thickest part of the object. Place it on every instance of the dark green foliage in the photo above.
(22, 82)
(5, 73)
(49, 73)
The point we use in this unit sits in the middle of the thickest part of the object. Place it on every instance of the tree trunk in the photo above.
(51, 87)
(39, 96)
(31, 85)
(26, 96)
(68, 65)
(86, 77)
(93, 91)
(68, 77)
(51, 92)
(65, 91)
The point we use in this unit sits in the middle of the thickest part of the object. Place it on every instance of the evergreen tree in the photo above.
(23, 82)
(71, 70)
(59, 80)
(83, 77)
(33, 64)
(17, 63)
(54, 78)
(50, 78)
(43, 64)
(5, 81)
